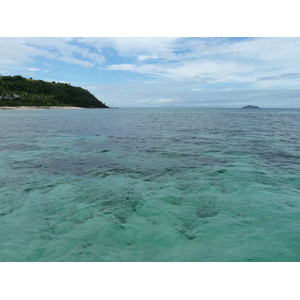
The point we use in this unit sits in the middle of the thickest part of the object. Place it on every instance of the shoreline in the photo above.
(38, 107)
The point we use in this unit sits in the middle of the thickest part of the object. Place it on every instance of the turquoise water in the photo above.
(150, 185)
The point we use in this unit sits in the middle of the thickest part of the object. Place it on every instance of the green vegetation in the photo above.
(19, 91)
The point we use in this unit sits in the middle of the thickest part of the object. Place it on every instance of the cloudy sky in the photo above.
(160, 72)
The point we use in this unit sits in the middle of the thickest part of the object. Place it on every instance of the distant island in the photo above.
(17, 91)
(250, 106)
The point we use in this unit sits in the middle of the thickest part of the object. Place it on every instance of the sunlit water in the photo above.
(150, 185)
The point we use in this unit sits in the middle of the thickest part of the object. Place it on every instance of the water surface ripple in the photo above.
(150, 185)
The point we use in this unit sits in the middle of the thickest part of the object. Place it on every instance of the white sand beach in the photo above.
(38, 107)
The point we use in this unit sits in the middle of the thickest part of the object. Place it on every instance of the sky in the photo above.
(164, 72)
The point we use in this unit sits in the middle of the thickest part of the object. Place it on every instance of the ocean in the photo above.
(150, 184)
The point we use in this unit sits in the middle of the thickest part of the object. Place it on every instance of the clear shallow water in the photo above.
(150, 185)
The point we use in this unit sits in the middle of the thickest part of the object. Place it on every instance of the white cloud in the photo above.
(180, 94)
(153, 101)
(216, 60)
(33, 69)
(122, 67)
(76, 61)
(144, 101)
(164, 100)
(143, 69)
(136, 48)
(16, 52)
(144, 57)
(201, 70)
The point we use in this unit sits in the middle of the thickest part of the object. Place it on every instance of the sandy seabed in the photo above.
(38, 107)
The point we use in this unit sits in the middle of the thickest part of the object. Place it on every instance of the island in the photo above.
(17, 91)
(250, 106)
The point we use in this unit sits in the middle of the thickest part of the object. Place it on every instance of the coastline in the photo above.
(38, 107)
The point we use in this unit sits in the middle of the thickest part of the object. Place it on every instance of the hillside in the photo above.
(19, 91)
(250, 107)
